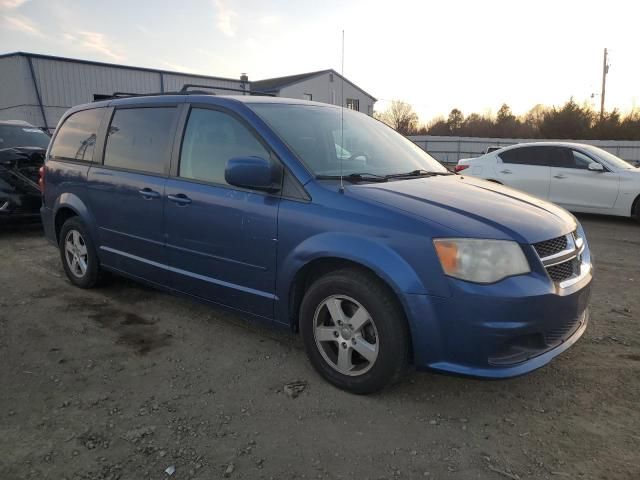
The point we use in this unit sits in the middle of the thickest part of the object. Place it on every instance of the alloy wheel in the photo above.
(345, 335)
(75, 253)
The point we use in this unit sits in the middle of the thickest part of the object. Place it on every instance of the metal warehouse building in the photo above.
(40, 88)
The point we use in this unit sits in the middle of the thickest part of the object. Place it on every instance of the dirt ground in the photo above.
(124, 382)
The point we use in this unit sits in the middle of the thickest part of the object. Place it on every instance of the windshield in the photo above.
(364, 146)
(22, 136)
(609, 157)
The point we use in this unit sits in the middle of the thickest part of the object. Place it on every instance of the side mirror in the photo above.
(595, 167)
(253, 172)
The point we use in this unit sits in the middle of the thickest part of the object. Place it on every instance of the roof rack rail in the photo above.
(130, 94)
(97, 97)
(185, 90)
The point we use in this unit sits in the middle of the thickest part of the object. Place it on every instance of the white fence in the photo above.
(451, 149)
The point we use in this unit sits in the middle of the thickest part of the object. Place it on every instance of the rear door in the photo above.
(221, 240)
(126, 190)
(527, 169)
(574, 186)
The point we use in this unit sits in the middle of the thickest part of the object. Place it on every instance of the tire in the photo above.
(636, 210)
(75, 243)
(346, 312)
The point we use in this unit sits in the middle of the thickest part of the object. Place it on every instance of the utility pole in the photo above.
(605, 70)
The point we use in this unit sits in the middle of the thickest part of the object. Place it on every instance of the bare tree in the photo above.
(534, 118)
(504, 115)
(401, 117)
(455, 120)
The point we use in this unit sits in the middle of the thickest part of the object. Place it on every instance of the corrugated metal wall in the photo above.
(451, 149)
(174, 82)
(64, 83)
(17, 97)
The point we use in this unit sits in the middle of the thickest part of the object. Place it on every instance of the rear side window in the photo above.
(140, 139)
(535, 156)
(76, 139)
(211, 138)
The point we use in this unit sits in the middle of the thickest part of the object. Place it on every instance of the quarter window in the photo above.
(211, 138)
(76, 139)
(140, 139)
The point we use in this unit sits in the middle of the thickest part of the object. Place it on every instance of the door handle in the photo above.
(560, 176)
(506, 171)
(180, 199)
(148, 194)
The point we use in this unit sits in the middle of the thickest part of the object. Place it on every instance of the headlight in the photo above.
(480, 261)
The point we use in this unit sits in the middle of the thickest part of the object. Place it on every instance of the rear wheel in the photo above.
(78, 255)
(354, 334)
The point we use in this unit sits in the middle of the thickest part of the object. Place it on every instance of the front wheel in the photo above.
(354, 333)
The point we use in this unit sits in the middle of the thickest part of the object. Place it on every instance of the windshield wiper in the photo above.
(356, 177)
(418, 173)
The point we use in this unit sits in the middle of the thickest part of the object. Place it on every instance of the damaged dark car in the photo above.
(22, 152)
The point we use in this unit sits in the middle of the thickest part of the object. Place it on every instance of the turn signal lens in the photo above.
(448, 255)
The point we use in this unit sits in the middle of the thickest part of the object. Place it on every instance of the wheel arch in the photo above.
(70, 205)
(635, 208)
(62, 215)
(316, 268)
(330, 251)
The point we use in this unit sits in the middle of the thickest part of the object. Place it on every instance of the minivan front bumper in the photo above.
(498, 331)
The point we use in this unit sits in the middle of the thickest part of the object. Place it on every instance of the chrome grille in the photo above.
(551, 247)
(564, 271)
(561, 256)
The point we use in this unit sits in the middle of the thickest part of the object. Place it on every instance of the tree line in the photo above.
(569, 121)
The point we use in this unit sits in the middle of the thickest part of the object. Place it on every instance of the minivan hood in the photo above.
(472, 207)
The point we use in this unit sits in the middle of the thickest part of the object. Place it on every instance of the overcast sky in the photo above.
(472, 55)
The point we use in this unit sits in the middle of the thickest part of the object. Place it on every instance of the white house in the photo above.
(323, 86)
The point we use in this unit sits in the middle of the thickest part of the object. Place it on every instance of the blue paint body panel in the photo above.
(243, 249)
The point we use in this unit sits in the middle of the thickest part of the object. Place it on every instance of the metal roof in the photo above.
(115, 65)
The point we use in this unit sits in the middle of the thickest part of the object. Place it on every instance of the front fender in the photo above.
(374, 255)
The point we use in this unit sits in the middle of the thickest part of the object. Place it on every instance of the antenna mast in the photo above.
(342, 116)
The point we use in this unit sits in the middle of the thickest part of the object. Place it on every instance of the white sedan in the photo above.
(578, 177)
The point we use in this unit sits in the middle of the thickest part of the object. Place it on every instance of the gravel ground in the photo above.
(124, 382)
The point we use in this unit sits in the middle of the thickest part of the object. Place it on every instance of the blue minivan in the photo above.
(322, 220)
